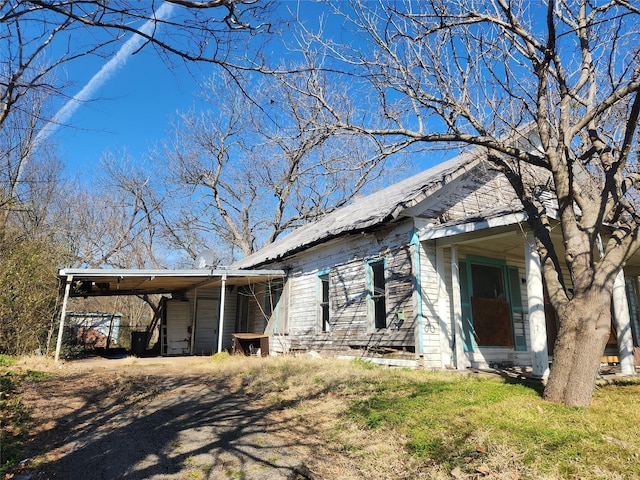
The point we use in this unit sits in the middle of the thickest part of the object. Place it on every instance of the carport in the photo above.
(111, 282)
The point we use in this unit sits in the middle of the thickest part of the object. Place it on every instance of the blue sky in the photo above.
(132, 110)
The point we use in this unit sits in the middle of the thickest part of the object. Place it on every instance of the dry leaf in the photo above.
(484, 470)
(481, 449)
(456, 473)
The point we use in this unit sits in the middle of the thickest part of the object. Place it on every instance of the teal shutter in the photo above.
(517, 315)
(465, 300)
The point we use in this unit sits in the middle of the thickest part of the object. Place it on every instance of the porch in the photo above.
(491, 303)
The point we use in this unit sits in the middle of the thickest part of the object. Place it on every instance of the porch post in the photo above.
(63, 314)
(461, 361)
(223, 290)
(446, 352)
(535, 304)
(418, 330)
(622, 324)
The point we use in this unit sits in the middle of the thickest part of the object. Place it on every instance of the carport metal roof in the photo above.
(110, 282)
(81, 282)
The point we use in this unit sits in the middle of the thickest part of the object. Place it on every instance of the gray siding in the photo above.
(352, 329)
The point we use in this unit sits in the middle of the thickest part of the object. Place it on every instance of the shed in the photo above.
(95, 327)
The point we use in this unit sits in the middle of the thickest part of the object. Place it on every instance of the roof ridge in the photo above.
(387, 204)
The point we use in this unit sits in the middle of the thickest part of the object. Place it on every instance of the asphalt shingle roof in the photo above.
(366, 212)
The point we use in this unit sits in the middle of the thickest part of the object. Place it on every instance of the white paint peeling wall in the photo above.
(345, 260)
(478, 198)
(431, 328)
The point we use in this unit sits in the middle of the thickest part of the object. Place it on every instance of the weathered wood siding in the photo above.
(491, 192)
(474, 195)
(437, 329)
(352, 328)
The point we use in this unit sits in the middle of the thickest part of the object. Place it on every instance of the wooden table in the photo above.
(248, 343)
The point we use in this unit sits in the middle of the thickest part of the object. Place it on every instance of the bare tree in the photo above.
(113, 221)
(54, 223)
(39, 39)
(19, 178)
(486, 74)
(258, 162)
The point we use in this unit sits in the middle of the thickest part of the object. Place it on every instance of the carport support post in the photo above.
(63, 314)
(223, 290)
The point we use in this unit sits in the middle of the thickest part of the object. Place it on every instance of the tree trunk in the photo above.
(585, 325)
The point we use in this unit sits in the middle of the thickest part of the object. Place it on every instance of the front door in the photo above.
(491, 304)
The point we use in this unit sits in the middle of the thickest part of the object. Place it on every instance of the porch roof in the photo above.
(453, 230)
(107, 281)
(501, 231)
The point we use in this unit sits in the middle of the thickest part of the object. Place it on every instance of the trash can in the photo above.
(139, 343)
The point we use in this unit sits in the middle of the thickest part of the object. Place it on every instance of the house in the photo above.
(439, 271)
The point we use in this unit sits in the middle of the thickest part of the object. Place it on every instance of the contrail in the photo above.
(105, 73)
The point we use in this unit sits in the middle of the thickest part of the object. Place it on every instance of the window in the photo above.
(491, 304)
(324, 311)
(377, 292)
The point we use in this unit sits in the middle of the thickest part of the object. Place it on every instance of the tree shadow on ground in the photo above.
(513, 376)
(164, 427)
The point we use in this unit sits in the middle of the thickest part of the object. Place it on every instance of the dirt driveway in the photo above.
(166, 418)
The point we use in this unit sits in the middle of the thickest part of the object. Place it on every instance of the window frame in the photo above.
(243, 309)
(376, 293)
(274, 289)
(324, 305)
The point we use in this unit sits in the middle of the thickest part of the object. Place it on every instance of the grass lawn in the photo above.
(411, 424)
(486, 427)
(392, 423)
